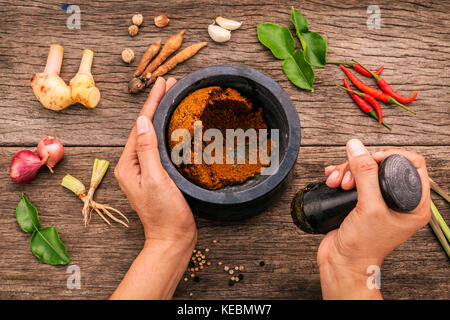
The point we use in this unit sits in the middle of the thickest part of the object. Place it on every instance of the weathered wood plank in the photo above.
(412, 43)
(418, 269)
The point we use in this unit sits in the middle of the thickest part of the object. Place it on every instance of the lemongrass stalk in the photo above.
(438, 232)
(74, 185)
(98, 172)
(77, 187)
(441, 222)
(435, 187)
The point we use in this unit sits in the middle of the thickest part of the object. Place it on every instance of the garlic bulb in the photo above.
(228, 24)
(218, 34)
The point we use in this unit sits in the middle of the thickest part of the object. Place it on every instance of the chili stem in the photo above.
(434, 186)
(338, 63)
(373, 114)
(393, 101)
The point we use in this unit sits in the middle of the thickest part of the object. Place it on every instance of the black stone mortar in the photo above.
(255, 195)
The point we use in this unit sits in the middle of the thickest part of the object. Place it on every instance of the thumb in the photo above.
(365, 171)
(147, 147)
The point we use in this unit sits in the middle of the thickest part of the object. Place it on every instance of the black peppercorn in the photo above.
(262, 263)
(241, 276)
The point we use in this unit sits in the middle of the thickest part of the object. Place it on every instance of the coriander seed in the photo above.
(133, 30)
(137, 19)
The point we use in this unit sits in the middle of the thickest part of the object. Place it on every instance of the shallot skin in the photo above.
(51, 151)
(24, 166)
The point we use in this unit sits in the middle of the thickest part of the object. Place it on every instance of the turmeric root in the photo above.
(83, 86)
(172, 44)
(181, 56)
(147, 57)
(48, 87)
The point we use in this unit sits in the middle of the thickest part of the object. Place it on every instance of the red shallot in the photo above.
(51, 151)
(24, 166)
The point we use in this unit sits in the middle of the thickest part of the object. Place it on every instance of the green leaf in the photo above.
(27, 215)
(47, 247)
(299, 21)
(277, 38)
(315, 48)
(298, 71)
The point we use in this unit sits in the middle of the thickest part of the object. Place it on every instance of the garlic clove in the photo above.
(228, 24)
(219, 34)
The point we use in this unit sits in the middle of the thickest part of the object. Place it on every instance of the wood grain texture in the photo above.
(412, 43)
(417, 269)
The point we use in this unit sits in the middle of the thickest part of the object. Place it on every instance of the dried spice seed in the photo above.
(226, 268)
(133, 30)
(231, 271)
(192, 275)
(262, 263)
(190, 294)
(137, 19)
(241, 268)
(233, 278)
(236, 268)
(236, 279)
(214, 241)
(185, 279)
(208, 263)
(207, 249)
(241, 276)
(197, 279)
(203, 262)
(219, 263)
(201, 267)
(196, 269)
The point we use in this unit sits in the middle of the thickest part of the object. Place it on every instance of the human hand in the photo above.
(372, 230)
(169, 227)
(160, 205)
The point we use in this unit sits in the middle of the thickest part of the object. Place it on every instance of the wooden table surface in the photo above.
(412, 44)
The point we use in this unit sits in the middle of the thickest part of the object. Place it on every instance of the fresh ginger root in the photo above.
(54, 93)
(48, 87)
(83, 86)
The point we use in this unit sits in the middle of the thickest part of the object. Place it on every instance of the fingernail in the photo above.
(334, 175)
(347, 177)
(356, 148)
(330, 168)
(142, 125)
(159, 79)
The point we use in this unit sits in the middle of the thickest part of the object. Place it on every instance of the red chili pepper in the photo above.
(375, 105)
(374, 92)
(363, 71)
(387, 88)
(367, 108)
(358, 68)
